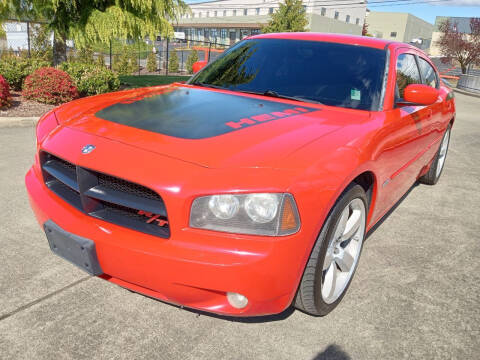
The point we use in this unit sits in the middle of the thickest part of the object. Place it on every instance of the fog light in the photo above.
(238, 301)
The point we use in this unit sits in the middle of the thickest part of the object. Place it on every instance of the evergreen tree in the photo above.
(192, 58)
(173, 62)
(290, 17)
(152, 62)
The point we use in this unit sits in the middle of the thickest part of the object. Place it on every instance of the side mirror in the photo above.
(197, 66)
(420, 94)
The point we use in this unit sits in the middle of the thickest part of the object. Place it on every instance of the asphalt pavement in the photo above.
(416, 293)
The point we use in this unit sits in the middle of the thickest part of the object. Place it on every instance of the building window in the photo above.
(199, 14)
(234, 12)
(357, 22)
(255, 31)
(215, 13)
(245, 11)
(223, 33)
(304, 8)
(323, 11)
(199, 33)
(393, 34)
(336, 15)
(257, 11)
(270, 11)
(347, 19)
(224, 12)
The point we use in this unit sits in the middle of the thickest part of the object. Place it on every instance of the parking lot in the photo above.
(416, 293)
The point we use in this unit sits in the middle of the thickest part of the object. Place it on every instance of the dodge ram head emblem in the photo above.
(87, 149)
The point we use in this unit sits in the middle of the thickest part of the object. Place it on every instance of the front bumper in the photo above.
(194, 268)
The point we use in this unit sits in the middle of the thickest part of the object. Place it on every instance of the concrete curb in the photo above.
(468, 93)
(18, 121)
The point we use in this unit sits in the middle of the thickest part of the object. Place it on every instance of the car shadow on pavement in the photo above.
(248, 320)
(332, 352)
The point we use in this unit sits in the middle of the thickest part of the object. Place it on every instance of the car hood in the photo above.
(208, 127)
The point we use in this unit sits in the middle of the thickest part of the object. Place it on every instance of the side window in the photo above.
(407, 73)
(428, 73)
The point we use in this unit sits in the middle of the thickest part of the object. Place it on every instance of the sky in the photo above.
(427, 11)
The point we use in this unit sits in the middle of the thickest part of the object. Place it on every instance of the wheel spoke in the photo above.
(328, 260)
(330, 281)
(342, 223)
(352, 225)
(345, 262)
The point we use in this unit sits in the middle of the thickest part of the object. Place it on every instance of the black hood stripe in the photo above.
(196, 113)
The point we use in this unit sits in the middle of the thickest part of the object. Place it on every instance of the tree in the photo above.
(290, 17)
(464, 48)
(87, 21)
(152, 62)
(365, 30)
(192, 58)
(173, 62)
(41, 46)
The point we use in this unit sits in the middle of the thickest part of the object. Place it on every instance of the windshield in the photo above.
(329, 73)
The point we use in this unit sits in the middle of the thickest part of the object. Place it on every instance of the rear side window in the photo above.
(407, 73)
(428, 73)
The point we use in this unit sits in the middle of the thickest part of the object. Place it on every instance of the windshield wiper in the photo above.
(273, 93)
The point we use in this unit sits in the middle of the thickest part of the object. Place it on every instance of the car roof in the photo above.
(337, 38)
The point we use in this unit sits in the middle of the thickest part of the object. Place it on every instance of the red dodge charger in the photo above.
(252, 186)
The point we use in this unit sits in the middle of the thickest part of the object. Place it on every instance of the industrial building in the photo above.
(228, 21)
(402, 27)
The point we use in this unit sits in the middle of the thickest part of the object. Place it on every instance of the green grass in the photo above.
(136, 81)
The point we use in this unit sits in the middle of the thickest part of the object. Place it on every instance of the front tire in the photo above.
(334, 258)
(435, 171)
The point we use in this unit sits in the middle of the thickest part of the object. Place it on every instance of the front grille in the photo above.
(106, 197)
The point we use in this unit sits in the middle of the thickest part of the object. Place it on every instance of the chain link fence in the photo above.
(161, 56)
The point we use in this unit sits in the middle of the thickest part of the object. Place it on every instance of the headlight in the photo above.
(223, 206)
(271, 214)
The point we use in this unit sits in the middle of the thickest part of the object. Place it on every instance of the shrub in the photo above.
(85, 55)
(50, 86)
(192, 58)
(100, 60)
(173, 62)
(91, 79)
(4, 93)
(152, 62)
(15, 69)
(126, 63)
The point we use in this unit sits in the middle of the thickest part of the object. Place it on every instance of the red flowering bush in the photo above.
(50, 86)
(4, 93)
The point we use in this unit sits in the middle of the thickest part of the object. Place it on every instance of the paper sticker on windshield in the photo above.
(355, 94)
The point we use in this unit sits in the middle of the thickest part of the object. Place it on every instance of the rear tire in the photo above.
(438, 163)
(334, 258)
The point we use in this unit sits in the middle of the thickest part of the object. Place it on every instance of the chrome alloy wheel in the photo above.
(443, 152)
(343, 251)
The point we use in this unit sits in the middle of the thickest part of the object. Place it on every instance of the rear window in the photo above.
(333, 74)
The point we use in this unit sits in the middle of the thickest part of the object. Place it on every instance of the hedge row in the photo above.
(48, 85)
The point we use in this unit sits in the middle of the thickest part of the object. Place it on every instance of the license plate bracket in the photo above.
(73, 248)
